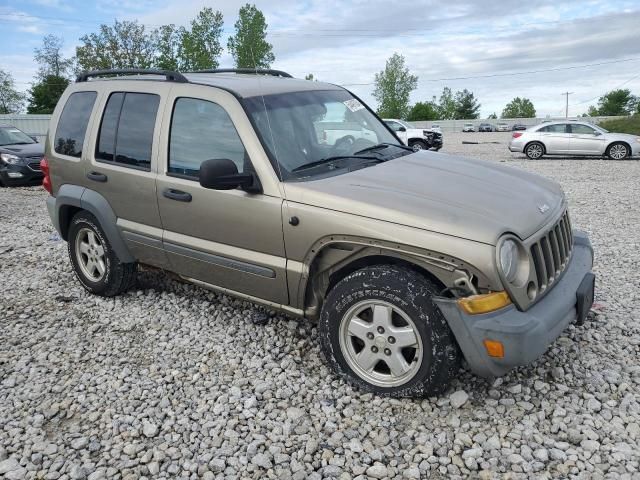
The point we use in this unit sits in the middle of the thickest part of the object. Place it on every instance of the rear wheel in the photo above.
(534, 150)
(95, 263)
(618, 151)
(418, 145)
(381, 331)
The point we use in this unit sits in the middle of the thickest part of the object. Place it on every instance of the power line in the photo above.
(614, 88)
(511, 73)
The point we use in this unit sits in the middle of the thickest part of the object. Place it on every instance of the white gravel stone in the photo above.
(458, 398)
(82, 376)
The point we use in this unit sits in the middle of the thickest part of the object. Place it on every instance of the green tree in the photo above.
(11, 100)
(467, 105)
(615, 102)
(447, 105)
(423, 111)
(200, 46)
(493, 116)
(393, 85)
(519, 108)
(309, 76)
(249, 46)
(168, 38)
(50, 59)
(126, 44)
(45, 94)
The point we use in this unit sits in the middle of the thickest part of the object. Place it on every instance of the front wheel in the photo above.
(381, 331)
(418, 145)
(534, 151)
(617, 151)
(96, 264)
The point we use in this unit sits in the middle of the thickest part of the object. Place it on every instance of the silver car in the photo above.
(573, 138)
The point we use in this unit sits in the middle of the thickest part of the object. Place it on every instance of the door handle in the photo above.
(178, 195)
(97, 177)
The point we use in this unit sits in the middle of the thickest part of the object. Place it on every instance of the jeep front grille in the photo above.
(551, 252)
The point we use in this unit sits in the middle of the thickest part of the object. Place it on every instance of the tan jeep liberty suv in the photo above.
(409, 261)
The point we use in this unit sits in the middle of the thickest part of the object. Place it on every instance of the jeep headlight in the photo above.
(509, 259)
(9, 158)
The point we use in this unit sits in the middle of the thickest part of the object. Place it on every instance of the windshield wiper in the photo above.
(382, 145)
(322, 161)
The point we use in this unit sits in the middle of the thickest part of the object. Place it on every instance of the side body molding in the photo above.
(97, 205)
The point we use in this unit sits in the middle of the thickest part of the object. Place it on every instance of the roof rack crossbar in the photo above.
(259, 71)
(168, 74)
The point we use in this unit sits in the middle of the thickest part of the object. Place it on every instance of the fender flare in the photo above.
(94, 203)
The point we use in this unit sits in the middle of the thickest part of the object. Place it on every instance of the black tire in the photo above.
(618, 147)
(418, 145)
(117, 278)
(411, 292)
(534, 150)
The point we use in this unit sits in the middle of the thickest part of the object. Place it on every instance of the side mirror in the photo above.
(402, 129)
(597, 133)
(222, 174)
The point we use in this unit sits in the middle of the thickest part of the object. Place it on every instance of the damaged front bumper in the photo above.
(525, 335)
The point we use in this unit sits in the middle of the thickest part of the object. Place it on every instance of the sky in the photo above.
(497, 49)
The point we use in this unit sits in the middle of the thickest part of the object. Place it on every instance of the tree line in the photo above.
(394, 84)
(130, 44)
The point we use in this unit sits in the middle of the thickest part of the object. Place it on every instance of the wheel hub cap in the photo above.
(380, 343)
(90, 254)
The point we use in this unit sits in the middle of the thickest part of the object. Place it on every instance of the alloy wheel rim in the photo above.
(380, 343)
(618, 152)
(417, 147)
(535, 151)
(90, 254)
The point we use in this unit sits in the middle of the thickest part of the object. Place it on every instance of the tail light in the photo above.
(516, 134)
(46, 181)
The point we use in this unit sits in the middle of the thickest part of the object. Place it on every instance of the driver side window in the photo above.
(202, 130)
(582, 130)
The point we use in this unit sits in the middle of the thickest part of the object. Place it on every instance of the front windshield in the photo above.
(306, 128)
(13, 136)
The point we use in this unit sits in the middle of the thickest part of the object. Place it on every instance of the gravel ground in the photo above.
(173, 381)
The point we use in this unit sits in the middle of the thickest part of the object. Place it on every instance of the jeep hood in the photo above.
(473, 199)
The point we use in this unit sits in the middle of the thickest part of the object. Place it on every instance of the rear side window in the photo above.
(73, 122)
(126, 131)
(202, 130)
(557, 128)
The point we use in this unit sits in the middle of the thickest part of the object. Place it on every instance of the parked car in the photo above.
(405, 262)
(518, 127)
(485, 127)
(502, 127)
(416, 138)
(574, 138)
(20, 157)
(468, 127)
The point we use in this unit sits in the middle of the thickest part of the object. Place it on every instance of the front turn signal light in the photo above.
(494, 348)
(484, 303)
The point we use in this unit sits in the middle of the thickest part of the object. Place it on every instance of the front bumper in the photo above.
(525, 335)
(13, 175)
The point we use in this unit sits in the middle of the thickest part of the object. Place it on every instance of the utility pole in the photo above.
(566, 109)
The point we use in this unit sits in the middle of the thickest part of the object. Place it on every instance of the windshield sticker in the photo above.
(353, 105)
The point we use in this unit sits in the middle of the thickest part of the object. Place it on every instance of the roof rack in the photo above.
(168, 74)
(259, 71)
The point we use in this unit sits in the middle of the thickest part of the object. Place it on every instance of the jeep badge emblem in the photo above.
(543, 208)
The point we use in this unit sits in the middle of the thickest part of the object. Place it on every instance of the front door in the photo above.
(586, 140)
(401, 130)
(227, 238)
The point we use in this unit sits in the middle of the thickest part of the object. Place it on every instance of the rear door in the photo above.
(122, 164)
(584, 140)
(230, 239)
(555, 138)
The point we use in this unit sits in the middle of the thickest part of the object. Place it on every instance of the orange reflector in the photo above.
(487, 302)
(494, 348)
